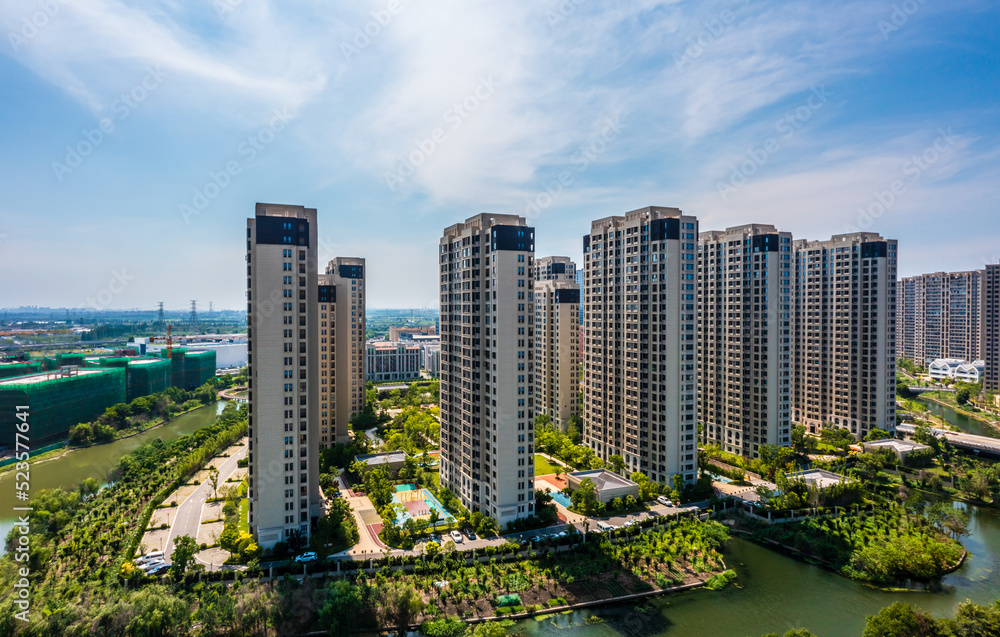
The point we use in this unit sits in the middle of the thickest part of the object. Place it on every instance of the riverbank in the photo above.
(968, 414)
(546, 612)
(883, 548)
(57, 454)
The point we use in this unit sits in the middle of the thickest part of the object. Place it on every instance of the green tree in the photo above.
(617, 463)
(80, 434)
(183, 556)
(340, 611)
(378, 487)
(488, 629)
(798, 437)
(213, 479)
(962, 396)
(901, 620)
(228, 538)
(775, 457)
(89, 487)
(973, 620)
(402, 605)
(877, 434)
(444, 627)
(585, 497)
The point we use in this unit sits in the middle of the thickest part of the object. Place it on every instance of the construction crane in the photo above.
(168, 339)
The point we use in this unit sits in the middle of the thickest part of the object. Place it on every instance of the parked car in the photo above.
(149, 566)
(665, 501)
(456, 537)
(159, 570)
(148, 557)
(470, 534)
(305, 558)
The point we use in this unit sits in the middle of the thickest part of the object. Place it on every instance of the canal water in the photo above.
(76, 466)
(963, 422)
(776, 593)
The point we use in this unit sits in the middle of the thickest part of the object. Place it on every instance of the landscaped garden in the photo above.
(884, 547)
(513, 581)
(543, 467)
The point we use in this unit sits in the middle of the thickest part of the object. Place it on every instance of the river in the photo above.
(776, 593)
(963, 422)
(76, 466)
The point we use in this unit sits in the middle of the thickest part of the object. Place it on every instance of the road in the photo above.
(367, 548)
(188, 518)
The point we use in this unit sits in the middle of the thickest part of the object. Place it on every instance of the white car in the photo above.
(149, 566)
(306, 557)
(149, 557)
(456, 537)
(665, 501)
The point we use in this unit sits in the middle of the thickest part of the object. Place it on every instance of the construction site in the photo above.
(63, 390)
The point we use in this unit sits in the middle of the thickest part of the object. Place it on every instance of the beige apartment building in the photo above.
(282, 286)
(557, 355)
(640, 341)
(341, 319)
(845, 333)
(487, 351)
(939, 316)
(745, 337)
(555, 269)
(396, 332)
(393, 361)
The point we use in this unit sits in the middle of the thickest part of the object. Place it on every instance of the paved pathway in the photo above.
(188, 518)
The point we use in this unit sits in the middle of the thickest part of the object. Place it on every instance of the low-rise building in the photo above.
(609, 485)
(901, 448)
(819, 478)
(957, 369)
(392, 461)
(402, 333)
(393, 361)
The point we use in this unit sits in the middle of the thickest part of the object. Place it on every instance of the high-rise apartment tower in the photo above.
(283, 475)
(939, 316)
(640, 341)
(341, 322)
(745, 337)
(487, 353)
(845, 333)
(991, 327)
(557, 333)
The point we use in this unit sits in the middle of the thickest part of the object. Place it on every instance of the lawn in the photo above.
(245, 515)
(543, 467)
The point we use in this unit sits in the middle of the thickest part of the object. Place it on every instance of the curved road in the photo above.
(188, 518)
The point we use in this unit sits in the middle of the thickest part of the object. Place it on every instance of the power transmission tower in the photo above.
(210, 307)
(160, 320)
(194, 313)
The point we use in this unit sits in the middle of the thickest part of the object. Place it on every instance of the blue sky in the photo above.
(397, 118)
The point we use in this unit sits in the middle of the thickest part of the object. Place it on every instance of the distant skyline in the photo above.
(137, 137)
